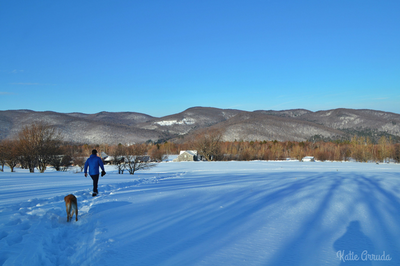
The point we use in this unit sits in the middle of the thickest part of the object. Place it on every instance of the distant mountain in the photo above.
(260, 126)
(188, 121)
(285, 113)
(131, 127)
(356, 119)
(82, 128)
(363, 122)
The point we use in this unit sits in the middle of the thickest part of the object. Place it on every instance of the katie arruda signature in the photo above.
(364, 256)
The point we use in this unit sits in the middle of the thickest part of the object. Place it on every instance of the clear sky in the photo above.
(162, 57)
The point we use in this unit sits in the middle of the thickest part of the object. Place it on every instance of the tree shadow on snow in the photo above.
(365, 199)
(195, 231)
(303, 247)
(208, 230)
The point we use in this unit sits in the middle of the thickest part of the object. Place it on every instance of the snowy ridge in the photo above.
(123, 127)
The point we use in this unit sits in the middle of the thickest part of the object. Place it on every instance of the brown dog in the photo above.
(72, 207)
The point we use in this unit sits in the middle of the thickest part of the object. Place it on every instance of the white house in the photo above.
(308, 159)
(189, 155)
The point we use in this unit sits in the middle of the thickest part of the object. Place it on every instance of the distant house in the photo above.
(121, 159)
(187, 156)
(106, 158)
(112, 160)
(308, 159)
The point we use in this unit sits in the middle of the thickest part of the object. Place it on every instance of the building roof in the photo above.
(191, 152)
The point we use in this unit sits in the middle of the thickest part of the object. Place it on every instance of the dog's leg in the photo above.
(68, 207)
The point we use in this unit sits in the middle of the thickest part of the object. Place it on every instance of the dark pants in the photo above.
(95, 182)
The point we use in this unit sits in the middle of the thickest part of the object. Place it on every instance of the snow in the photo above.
(184, 121)
(206, 213)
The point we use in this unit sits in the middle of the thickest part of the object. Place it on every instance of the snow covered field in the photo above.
(206, 213)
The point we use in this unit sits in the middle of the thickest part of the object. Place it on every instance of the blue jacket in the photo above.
(94, 162)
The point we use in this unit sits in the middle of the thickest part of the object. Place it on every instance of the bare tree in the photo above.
(66, 162)
(208, 144)
(119, 158)
(136, 159)
(55, 161)
(2, 156)
(26, 151)
(62, 161)
(396, 153)
(38, 143)
(383, 149)
(345, 153)
(10, 153)
(79, 159)
(157, 153)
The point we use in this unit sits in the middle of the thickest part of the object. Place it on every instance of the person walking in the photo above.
(94, 162)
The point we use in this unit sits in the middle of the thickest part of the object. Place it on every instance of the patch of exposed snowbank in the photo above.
(184, 121)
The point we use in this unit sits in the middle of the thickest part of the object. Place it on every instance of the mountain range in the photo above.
(131, 127)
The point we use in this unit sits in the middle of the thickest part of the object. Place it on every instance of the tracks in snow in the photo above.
(36, 232)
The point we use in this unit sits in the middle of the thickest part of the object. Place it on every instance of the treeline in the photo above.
(359, 149)
(211, 147)
(39, 146)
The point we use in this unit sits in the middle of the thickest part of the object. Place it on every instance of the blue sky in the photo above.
(162, 57)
